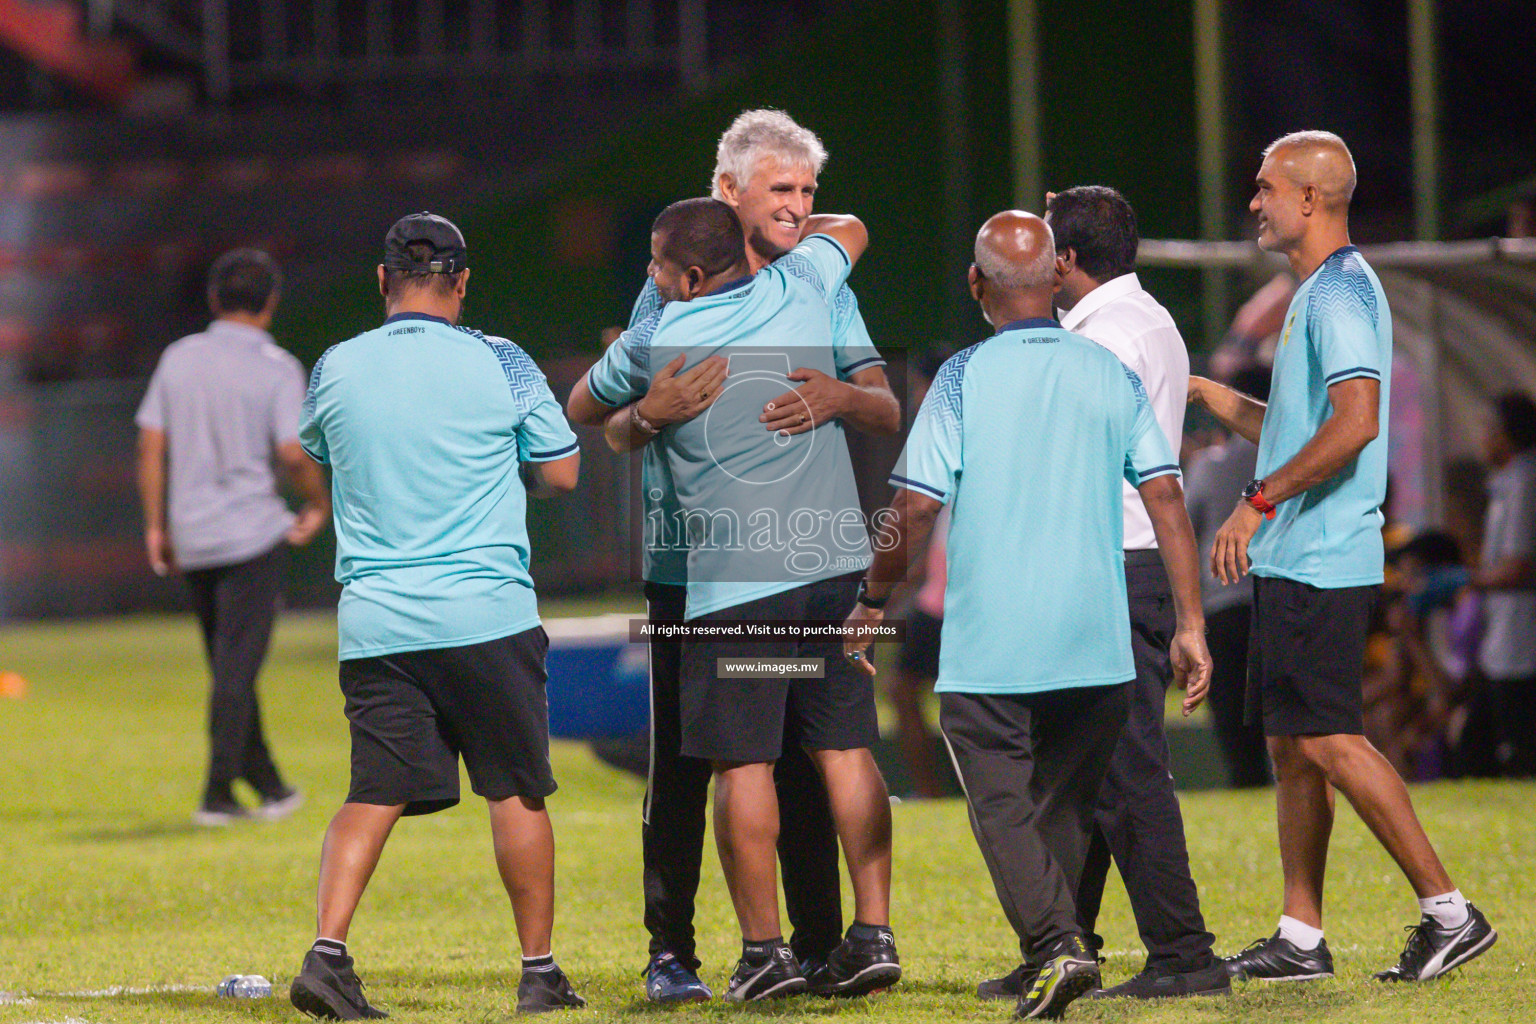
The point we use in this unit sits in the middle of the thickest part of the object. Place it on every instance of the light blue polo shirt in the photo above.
(423, 425)
(853, 350)
(1338, 328)
(1026, 436)
(757, 513)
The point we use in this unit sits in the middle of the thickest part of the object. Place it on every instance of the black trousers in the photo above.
(237, 606)
(672, 829)
(1031, 766)
(1136, 816)
(1242, 744)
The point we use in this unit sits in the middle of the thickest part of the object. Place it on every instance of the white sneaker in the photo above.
(279, 807)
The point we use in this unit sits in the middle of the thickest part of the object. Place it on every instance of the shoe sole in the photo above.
(687, 997)
(871, 979)
(543, 1008)
(1071, 985)
(785, 988)
(1106, 994)
(1288, 977)
(1477, 950)
(998, 995)
(279, 810)
(217, 819)
(321, 1003)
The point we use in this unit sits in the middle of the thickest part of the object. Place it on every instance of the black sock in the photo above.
(755, 951)
(539, 964)
(867, 932)
(332, 951)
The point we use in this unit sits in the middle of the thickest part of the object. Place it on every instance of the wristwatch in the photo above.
(869, 602)
(1253, 494)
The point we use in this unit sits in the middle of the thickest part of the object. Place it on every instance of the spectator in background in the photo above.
(221, 408)
(1506, 577)
(1215, 474)
(917, 663)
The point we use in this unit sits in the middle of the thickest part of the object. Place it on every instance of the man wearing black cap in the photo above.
(430, 430)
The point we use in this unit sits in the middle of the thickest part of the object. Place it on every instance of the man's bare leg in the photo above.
(1304, 820)
(1377, 793)
(747, 833)
(524, 842)
(351, 851)
(906, 695)
(861, 807)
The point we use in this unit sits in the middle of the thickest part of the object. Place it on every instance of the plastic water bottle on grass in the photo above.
(245, 986)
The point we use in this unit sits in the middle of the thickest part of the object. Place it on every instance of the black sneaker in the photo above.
(1071, 971)
(330, 992)
(1277, 959)
(1010, 985)
(1432, 950)
(777, 976)
(858, 967)
(1152, 984)
(669, 980)
(543, 991)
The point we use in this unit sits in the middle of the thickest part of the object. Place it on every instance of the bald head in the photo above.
(1316, 159)
(1016, 252)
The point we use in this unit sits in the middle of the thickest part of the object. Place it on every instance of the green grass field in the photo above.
(108, 886)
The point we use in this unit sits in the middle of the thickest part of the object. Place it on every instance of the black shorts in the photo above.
(1306, 657)
(413, 714)
(735, 719)
(920, 649)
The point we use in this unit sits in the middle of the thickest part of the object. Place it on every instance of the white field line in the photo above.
(114, 992)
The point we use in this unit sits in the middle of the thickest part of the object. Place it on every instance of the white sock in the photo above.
(1302, 936)
(1448, 909)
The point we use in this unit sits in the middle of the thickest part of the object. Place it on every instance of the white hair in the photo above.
(1014, 276)
(756, 134)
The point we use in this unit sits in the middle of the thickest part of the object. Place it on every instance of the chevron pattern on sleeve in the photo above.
(944, 394)
(523, 375)
(1137, 387)
(844, 308)
(637, 341)
(314, 382)
(799, 265)
(650, 301)
(1342, 289)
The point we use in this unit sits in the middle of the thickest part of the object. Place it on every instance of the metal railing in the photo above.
(323, 42)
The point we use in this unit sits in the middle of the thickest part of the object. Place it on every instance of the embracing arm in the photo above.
(847, 229)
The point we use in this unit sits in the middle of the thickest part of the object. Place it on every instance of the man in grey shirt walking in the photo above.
(222, 407)
(1506, 659)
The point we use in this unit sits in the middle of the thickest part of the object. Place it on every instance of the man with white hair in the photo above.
(1309, 530)
(1027, 436)
(766, 167)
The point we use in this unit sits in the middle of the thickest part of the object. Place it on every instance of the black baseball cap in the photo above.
(449, 254)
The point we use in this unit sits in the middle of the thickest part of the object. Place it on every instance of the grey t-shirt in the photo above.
(225, 399)
(1508, 649)
(1212, 487)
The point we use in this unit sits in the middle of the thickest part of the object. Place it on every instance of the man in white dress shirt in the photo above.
(1137, 819)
